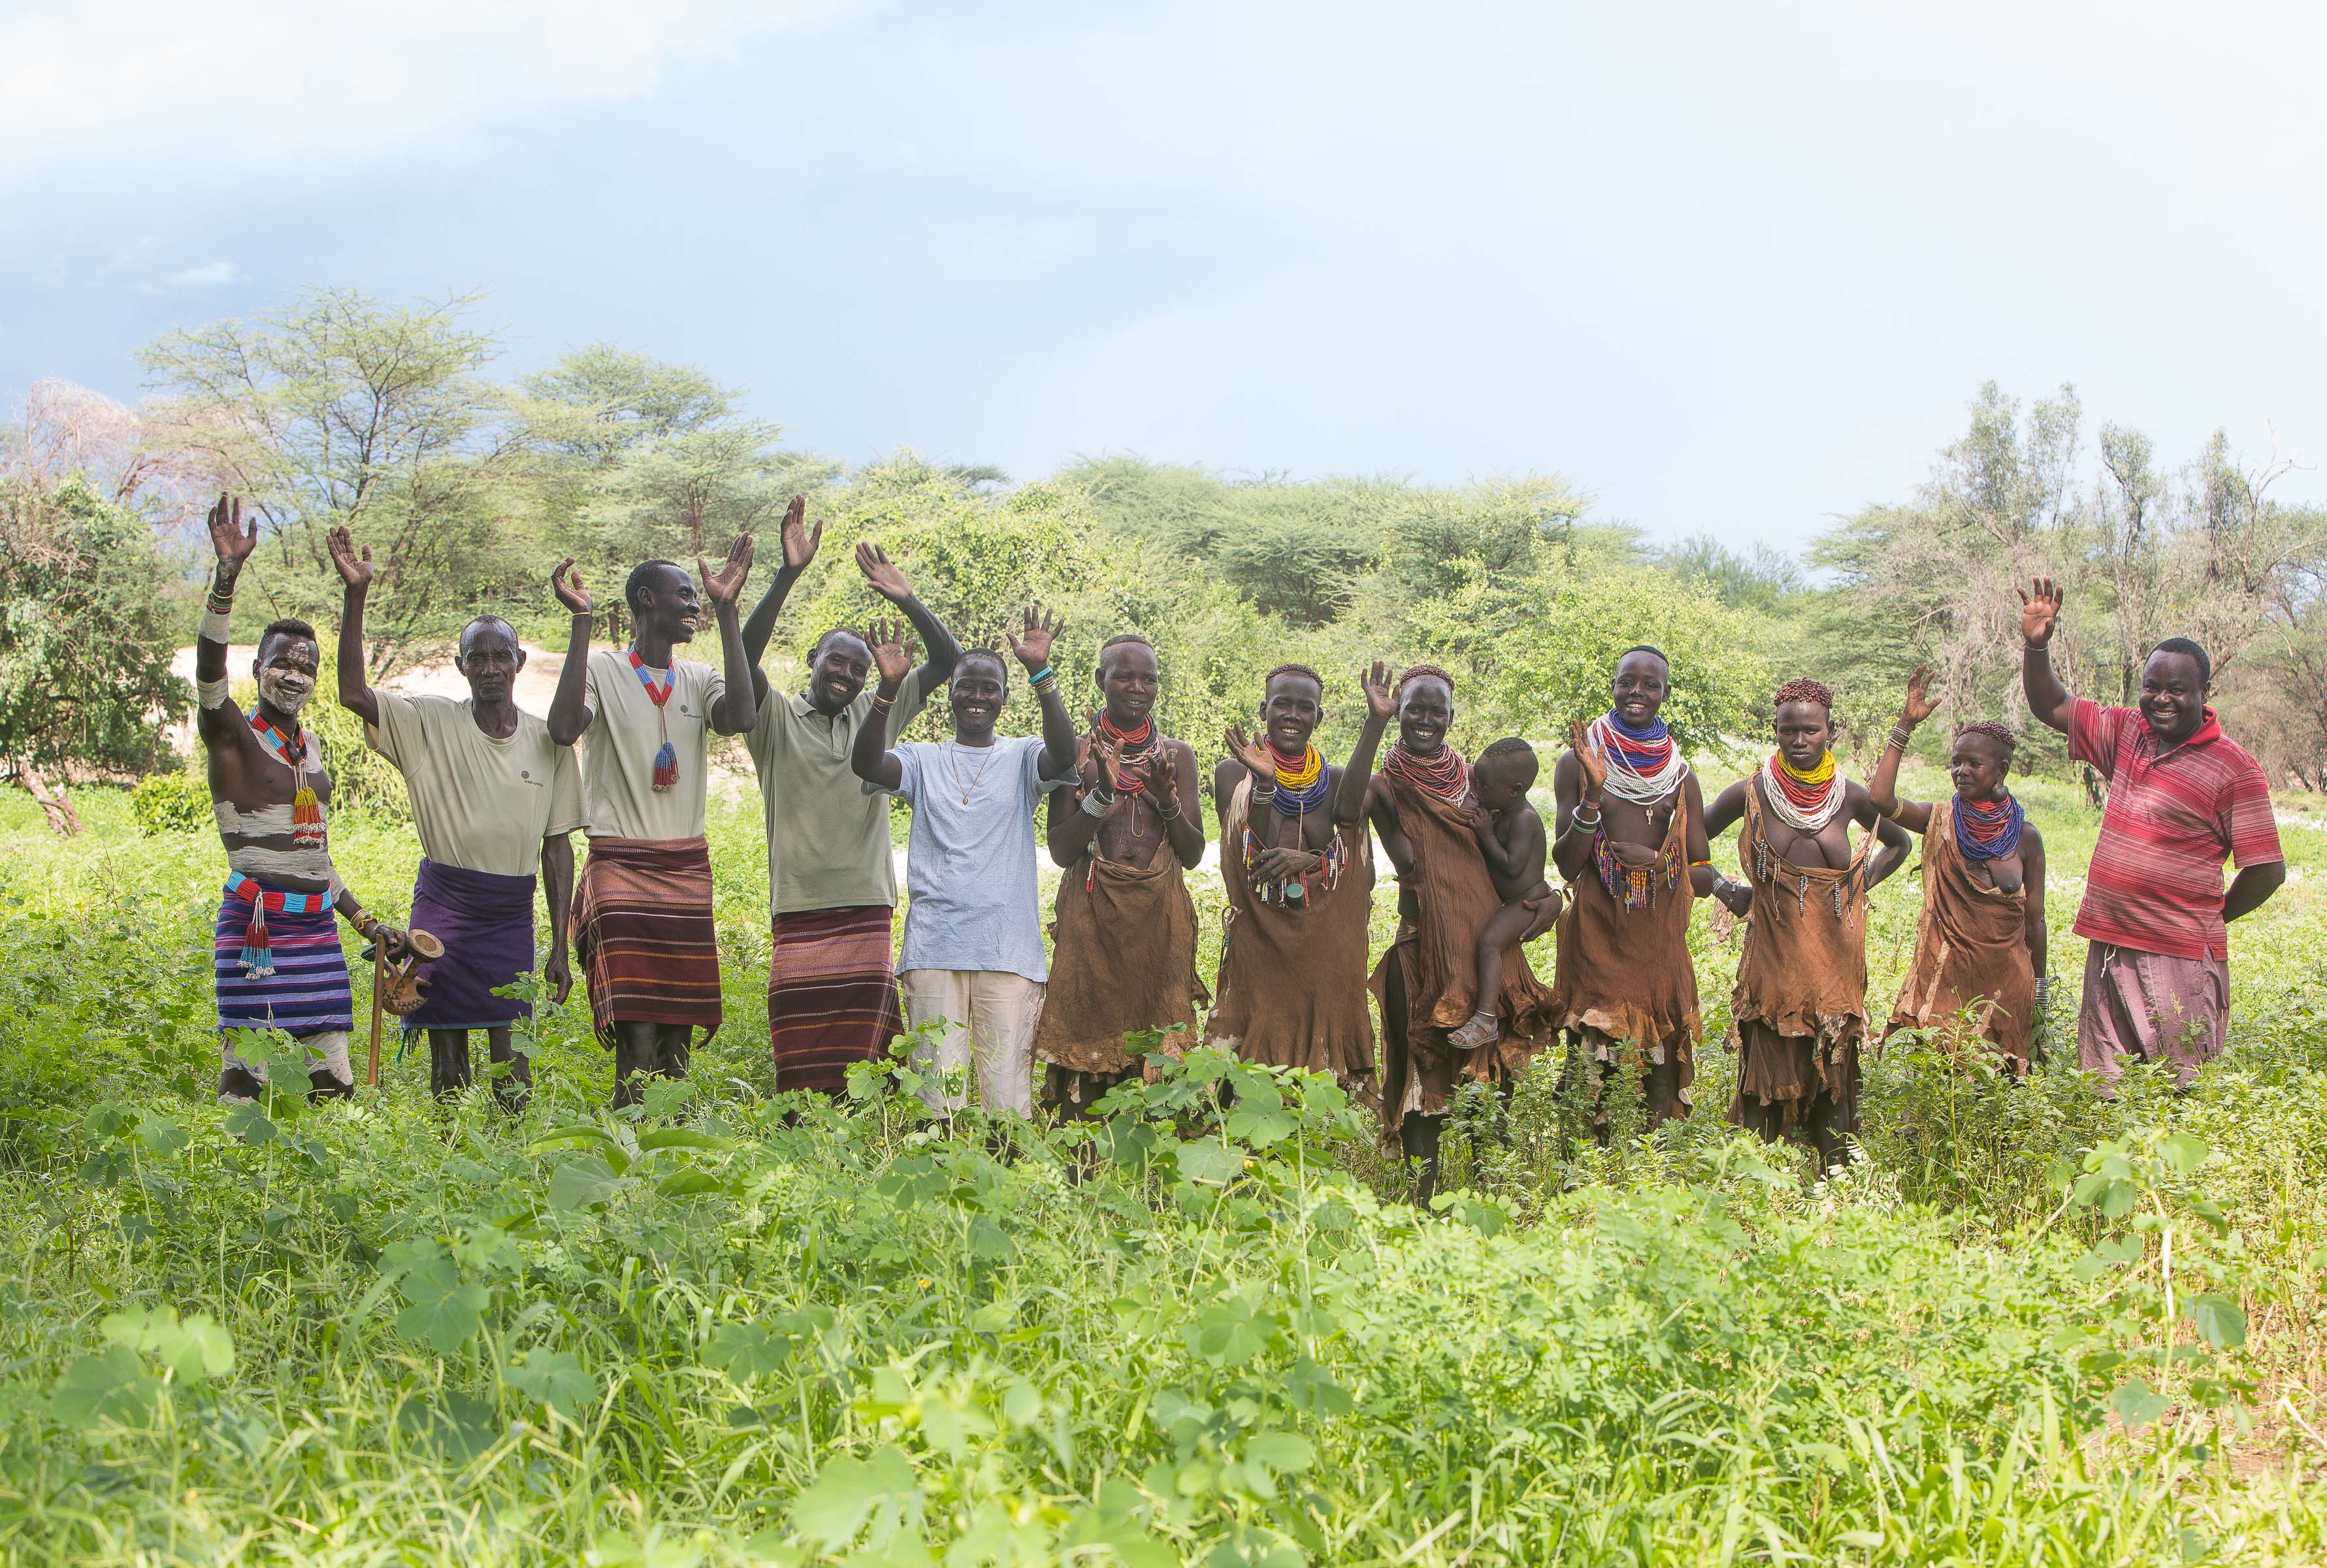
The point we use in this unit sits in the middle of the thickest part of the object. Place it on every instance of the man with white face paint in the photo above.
(276, 952)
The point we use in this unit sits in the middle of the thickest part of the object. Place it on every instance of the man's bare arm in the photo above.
(569, 714)
(356, 695)
(215, 718)
(2040, 616)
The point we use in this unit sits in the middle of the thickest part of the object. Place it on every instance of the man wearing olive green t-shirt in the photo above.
(491, 796)
(642, 916)
(832, 881)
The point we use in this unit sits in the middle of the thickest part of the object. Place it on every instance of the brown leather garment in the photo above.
(1799, 1004)
(1436, 957)
(1123, 959)
(1291, 983)
(1971, 948)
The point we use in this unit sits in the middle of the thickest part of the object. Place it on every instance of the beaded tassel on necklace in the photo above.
(306, 810)
(666, 762)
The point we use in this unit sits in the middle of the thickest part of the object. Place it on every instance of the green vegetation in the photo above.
(2034, 1325)
(729, 1329)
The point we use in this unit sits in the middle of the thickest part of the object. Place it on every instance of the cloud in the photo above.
(210, 274)
(140, 88)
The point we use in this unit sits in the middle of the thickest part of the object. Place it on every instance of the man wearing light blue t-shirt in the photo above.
(973, 956)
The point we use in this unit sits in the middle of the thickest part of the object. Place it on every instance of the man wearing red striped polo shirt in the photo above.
(2183, 797)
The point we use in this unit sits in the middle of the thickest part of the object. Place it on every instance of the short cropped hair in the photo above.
(642, 578)
(2183, 644)
(815, 649)
(1119, 640)
(1427, 672)
(1644, 647)
(1300, 669)
(289, 626)
(1513, 747)
(487, 620)
(994, 654)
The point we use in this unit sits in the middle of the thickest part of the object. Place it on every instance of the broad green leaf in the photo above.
(582, 1183)
(458, 1425)
(555, 1378)
(161, 1135)
(1211, 1162)
(2219, 1321)
(444, 1310)
(111, 1386)
(2184, 1152)
(1313, 1388)
(689, 1184)
(657, 1138)
(2136, 1404)
(989, 1240)
(575, 1137)
(1283, 1452)
(105, 1119)
(249, 1124)
(850, 1492)
(747, 1349)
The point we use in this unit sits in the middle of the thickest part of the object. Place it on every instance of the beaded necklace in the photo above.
(1443, 773)
(1131, 745)
(1301, 782)
(306, 811)
(1805, 802)
(666, 762)
(1644, 766)
(1988, 829)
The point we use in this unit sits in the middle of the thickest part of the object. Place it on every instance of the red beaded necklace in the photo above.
(1443, 773)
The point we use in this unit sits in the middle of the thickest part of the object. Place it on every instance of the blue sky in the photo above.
(1731, 269)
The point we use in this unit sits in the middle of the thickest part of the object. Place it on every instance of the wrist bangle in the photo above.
(1171, 815)
(1096, 803)
(881, 701)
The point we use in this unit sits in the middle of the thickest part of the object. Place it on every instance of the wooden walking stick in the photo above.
(396, 987)
(378, 975)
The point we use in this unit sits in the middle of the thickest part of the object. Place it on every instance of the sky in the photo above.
(1731, 270)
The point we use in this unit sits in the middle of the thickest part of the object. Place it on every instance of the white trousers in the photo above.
(989, 1017)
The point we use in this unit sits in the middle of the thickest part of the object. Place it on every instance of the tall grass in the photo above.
(734, 1327)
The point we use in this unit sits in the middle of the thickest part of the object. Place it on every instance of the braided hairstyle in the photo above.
(1990, 730)
(1804, 690)
(1422, 672)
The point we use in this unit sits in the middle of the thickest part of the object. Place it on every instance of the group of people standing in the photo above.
(623, 751)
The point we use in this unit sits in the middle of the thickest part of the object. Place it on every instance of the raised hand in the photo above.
(722, 588)
(1920, 703)
(1162, 776)
(892, 650)
(882, 573)
(1251, 753)
(1381, 692)
(1106, 756)
(228, 537)
(1591, 758)
(566, 583)
(2040, 613)
(354, 570)
(800, 544)
(1031, 642)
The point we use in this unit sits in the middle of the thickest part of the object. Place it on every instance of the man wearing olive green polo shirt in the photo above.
(832, 881)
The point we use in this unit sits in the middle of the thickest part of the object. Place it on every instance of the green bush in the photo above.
(176, 802)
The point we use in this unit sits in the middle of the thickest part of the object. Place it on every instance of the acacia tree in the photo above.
(2144, 553)
(338, 409)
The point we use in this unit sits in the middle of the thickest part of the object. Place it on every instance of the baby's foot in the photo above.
(1479, 1031)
